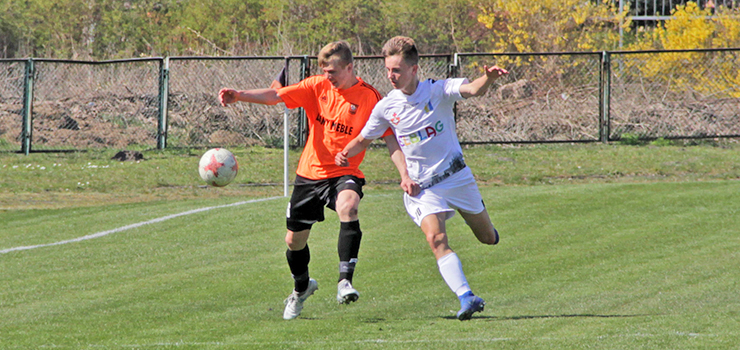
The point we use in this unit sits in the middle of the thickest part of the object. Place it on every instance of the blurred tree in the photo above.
(104, 29)
(693, 28)
(553, 25)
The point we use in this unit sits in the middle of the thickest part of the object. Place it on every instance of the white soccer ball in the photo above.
(218, 167)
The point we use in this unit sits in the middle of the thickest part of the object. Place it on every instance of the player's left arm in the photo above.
(479, 86)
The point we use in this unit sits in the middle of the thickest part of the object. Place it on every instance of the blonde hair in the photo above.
(404, 46)
(338, 49)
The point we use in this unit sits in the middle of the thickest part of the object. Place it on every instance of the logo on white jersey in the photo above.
(396, 119)
(428, 108)
(421, 135)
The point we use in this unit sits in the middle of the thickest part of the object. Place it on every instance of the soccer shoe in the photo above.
(470, 304)
(294, 302)
(345, 293)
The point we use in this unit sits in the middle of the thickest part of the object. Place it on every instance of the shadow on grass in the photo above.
(528, 317)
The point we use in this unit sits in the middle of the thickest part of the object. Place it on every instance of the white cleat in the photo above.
(345, 293)
(294, 302)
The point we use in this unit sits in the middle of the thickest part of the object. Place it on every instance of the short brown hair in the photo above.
(340, 49)
(404, 46)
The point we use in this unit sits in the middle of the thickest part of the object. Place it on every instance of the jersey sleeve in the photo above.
(452, 88)
(387, 132)
(377, 126)
(297, 95)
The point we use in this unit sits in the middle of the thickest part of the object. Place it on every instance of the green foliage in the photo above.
(106, 29)
(693, 28)
(660, 142)
(546, 26)
(630, 139)
(438, 26)
(122, 29)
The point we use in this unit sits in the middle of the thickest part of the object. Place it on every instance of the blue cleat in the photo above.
(469, 304)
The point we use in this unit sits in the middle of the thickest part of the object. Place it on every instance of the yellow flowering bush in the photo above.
(693, 28)
(553, 25)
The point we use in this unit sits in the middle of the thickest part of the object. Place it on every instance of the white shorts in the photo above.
(458, 191)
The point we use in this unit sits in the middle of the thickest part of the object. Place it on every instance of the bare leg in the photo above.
(482, 227)
(297, 240)
(434, 229)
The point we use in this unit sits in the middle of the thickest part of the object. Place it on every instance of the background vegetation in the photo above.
(105, 29)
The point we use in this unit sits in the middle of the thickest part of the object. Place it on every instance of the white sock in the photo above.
(451, 269)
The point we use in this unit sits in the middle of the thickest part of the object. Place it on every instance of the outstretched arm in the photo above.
(353, 148)
(479, 86)
(399, 160)
(262, 96)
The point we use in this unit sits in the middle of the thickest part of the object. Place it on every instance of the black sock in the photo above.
(298, 262)
(348, 248)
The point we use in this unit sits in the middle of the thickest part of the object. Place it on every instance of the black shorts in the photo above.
(309, 197)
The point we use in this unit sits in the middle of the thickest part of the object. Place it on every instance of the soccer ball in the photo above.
(218, 167)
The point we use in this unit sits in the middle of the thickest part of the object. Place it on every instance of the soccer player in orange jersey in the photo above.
(337, 105)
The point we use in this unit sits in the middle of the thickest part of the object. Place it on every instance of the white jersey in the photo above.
(424, 124)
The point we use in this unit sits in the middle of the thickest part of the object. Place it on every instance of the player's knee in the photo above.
(289, 242)
(293, 245)
(437, 239)
(347, 209)
(294, 242)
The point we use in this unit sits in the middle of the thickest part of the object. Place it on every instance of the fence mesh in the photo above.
(11, 100)
(372, 70)
(197, 119)
(85, 105)
(544, 98)
(675, 94)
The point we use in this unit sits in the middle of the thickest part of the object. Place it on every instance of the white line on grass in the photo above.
(139, 224)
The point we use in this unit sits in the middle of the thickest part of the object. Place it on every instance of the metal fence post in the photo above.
(453, 69)
(164, 87)
(27, 107)
(605, 97)
(302, 122)
(286, 133)
(302, 125)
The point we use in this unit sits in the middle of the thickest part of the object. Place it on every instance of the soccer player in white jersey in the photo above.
(436, 180)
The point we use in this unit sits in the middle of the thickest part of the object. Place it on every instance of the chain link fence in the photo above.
(675, 94)
(544, 98)
(196, 118)
(12, 73)
(547, 97)
(82, 105)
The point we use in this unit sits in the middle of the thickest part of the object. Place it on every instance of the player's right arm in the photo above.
(262, 96)
(399, 160)
(353, 148)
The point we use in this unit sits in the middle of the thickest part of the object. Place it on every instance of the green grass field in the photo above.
(600, 248)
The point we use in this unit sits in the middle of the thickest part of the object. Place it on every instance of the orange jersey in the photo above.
(335, 117)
